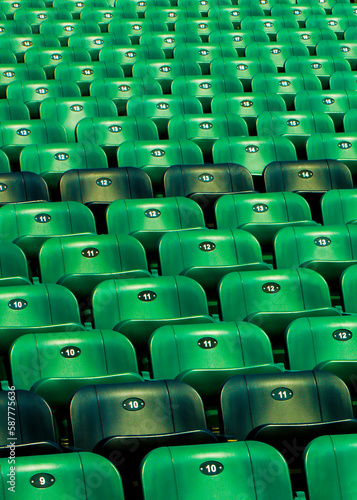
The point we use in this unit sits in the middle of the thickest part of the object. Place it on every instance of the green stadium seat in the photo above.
(339, 206)
(20, 44)
(238, 41)
(148, 219)
(253, 152)
(126, 56)
(29, 225)
(12, 109)
(8, 7)
(208, 256)
(141, 7)
(91, 188)
(344, 9)
(134, 28)
(165, 71)
(7, 56)
(80, 472)
(55, 365)
(322, 67)
(297, 126)
(206, 129)
(310, 38)
(33, 92)
(336, 24)
(85, 261)
(12, 72)
(203, 27)
(348, 50)
(271, 26)
(21, 187)
(338, 453)
(248, 105)
(262, 214)
(334, 147)
(277, 52)
(48, 59)
(168, 41)
(235, 14)
(75, 7)
(205, 356)
(34, 17)
(64, 29)
(350, 120)
(4, 167)
(154, 157)
(15, 28)
(17, 134)
(160, 109)
(13, 265)
(169, 15)
(203, 54)
(84, 73)
(94, 43)
(51, 161)
(104, 15)
(203, 6)
(286, 85)
(299, 12)
(243, 68)
(348, 290)
(343, 80)
(36, 309)
(70, 111)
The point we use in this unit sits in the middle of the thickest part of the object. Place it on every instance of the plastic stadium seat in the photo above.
(137, 307)
(12, 109)
(91, 187)
(160, 109)
(203, 27)
(126, 56)
(168, 41)
(203, 54)
(314, 176)
(238, 40)
(348, 50)
(86, 261)
(30, 225)
(248, 105)
(322, 67)
(15, 28)
(203, 6)
(110, 133)
(70, 111)
(205, 356)
(334, 146)
(205, 130)
(343, 80)
(8, 7)
(34, 92)
(12, 72)
(271, 26)
(20, 44)
(75, 7)
(34, 17)
(235, 14)
(154, 157)
(104, 15)
(208, 256)
(286, 410)
(297, 126)
(339, 455)
(17, 134)
(165, 71)
(344, 9)
(4, 167)
(310, 38)
(148, 219)
(64, 29)
(36, 309)
(141, 7)
(94, 43)
(239, 461)
(334, 103)
(243, 68)
(7, 57)
(206, 87)
(120, 90)
(13, 266)
(277, 52)
(83, 74)
(262, 214)
(169, 15)
(327, 5)
(339, 207)
(31, 426)
(55, 365)
(266, 5)
(329, 250)
(253, 152)
(336, 24)
(22, 187)
(48, 59)
(107, 418)
(51, 161)
(134, 28)
(298, 12)
(327, 344)
(348, 289)
(350, 120)
(83, 473)
(286, 85)
(206, 183)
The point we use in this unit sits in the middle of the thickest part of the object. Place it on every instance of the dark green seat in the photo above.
(48, 59)
(55, 365)
(29, 225)
(205, 356)
(20, 44)
(12, 72)
(149, 219)
(272, 299)
(339, 206)
(341, 147)
(13, 265)
(21, 187)
(85, 261)
(240, 463)
(137, 307)
(348, 289)
(126, 57)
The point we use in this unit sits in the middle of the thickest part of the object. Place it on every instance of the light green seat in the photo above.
(13, 265)
(339, 48)
(277, 52)
(134, 27)
(64, 29)
(270, 25)
(148, 219)
(262, 214)
(208, 256)
(94, 43)
(344, 9)
(29, 225)
(203, 6)
(238, 40)
(273, 299)
(343, 80)
(339, 206)
(75, 7)
(168, 41)
(340, 147)
(34, 17)
(299, 12)
(203, 54)
(85, 261)
(55, 365)
(322, 67)
(10, 73)
(348, 289)
(141, 7)
(169, 15)
(48, 59)
(235, 14)
(310, 38)
(9, 8)
(203, 27)
(104, 15)
(20, 44)
(13, 109)
(337, 24)
(327, 5)
(15, 28)
(126, 56)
